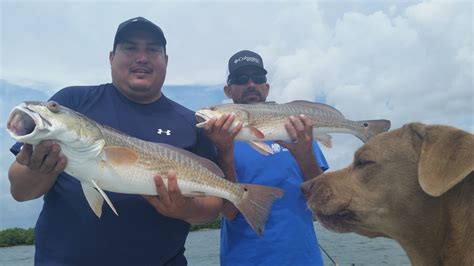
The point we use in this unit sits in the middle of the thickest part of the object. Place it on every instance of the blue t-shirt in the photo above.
(68, 232)
(289, 237)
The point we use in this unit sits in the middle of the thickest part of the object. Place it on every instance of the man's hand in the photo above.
(44, 160)
(219, 132)
(171, 202)
(300, 130)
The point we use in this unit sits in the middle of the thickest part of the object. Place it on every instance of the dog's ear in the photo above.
(447, 156)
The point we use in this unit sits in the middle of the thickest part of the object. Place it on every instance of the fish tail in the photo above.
(373, 128)
(256, 204)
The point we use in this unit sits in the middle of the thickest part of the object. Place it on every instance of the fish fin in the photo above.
(372, 128)
(259, 134)
(194, 194)
(84, 154)
(261, 147)
(324, 139)
(99, 146)
(201, 125)
(120, 155)
(256, 203)
(94, 199)
(104, 196)
(321, 106)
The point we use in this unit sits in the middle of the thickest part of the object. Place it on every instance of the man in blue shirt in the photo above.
(289, 237)
(67, 231)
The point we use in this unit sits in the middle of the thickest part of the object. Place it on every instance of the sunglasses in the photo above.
(244, 78)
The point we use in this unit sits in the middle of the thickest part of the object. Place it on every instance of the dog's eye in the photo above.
(361, 162)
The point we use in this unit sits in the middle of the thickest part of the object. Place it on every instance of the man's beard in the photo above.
(251, 91)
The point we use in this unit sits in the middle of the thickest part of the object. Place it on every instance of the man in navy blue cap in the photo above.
(289, 237)
(67, 231)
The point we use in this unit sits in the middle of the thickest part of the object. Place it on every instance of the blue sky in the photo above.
(400, 60)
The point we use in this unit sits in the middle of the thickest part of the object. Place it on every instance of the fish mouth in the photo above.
(22, 122)
(201, 118)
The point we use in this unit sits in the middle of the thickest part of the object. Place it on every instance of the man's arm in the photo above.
(226, 163)
(300, 130)
(33, 173)
(218, 130)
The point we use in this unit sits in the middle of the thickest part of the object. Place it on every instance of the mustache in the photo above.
(251, 90)
(141, 67)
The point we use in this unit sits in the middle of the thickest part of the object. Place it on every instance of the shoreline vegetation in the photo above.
(16, 237)
(26, 236)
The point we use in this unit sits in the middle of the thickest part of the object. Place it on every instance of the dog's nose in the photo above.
(307, 187)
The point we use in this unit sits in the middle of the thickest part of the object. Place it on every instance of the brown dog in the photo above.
(414, 184)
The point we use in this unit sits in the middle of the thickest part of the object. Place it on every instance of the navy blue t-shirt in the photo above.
(68, 232)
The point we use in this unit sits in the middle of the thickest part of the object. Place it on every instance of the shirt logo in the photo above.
(277, 148)
(161, 131)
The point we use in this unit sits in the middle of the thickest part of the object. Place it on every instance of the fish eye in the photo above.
(53, 106)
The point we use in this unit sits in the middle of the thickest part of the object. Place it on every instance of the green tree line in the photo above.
(21, 236)
(16, 236)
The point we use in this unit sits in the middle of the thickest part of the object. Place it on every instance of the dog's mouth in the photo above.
(339, 221)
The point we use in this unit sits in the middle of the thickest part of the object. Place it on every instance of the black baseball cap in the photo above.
(138, 23)
(245, 58)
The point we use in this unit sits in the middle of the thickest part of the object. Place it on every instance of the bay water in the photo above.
(202, 249)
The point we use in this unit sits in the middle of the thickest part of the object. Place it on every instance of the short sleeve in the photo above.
(321, 160)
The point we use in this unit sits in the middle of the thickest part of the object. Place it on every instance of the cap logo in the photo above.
(248, 59)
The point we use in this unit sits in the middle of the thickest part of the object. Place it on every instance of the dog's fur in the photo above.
(414, 184)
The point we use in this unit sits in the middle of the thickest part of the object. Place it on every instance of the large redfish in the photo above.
(102, 158)
(266, 121)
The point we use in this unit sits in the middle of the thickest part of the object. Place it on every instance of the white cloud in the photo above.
(415, 65)
(402, 60)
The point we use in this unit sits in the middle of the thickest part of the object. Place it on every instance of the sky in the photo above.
(405, 61)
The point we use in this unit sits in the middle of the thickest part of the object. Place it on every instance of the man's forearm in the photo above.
(25, 184)
(309, 166)
(226, 163)
(225, 160)
(204, 210)
(229, 210)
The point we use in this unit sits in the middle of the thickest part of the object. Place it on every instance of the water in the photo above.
(202, 249)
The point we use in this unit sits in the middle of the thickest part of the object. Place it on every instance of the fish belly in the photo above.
(137, 180)
(275, 132)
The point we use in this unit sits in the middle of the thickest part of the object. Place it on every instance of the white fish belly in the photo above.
(189, 187)
(328, 130)
(136, 180)
(129, 180)
(278, 132)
